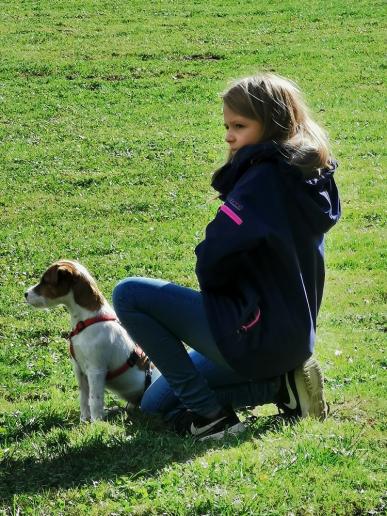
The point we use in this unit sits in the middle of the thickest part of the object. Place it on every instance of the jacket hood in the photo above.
(317, 198)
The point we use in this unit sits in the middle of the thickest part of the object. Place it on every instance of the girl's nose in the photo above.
(229, 136)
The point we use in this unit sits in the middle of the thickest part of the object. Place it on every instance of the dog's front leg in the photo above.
(96, 378)
(83, 386)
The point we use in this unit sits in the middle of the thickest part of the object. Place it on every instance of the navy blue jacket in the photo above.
(261, 265)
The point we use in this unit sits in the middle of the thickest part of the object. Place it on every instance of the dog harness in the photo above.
(132, 360)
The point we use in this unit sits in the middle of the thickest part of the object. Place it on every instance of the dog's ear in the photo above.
(86, 293)
(67, 272)
(59, 272)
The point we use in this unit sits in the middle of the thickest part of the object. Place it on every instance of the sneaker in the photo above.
(302, 392)
(202, 428)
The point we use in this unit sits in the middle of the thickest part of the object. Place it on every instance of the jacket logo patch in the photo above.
(237, 205)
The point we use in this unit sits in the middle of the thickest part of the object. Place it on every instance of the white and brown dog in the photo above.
(102, 352)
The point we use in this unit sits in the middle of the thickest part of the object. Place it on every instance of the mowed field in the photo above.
(110, 128)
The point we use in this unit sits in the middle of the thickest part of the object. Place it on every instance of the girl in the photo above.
(260, 269)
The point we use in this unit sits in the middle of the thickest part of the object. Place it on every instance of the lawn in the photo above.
(111, 126)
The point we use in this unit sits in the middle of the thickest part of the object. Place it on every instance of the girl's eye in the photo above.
(236, 126)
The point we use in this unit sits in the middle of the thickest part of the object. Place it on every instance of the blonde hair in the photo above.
(278, 104)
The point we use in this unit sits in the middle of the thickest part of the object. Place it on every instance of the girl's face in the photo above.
(240, 131)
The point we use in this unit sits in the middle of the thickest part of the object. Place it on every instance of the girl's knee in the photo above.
(136, 293)
(123, 293)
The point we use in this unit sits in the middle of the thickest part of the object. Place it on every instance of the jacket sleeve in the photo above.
(244, 220)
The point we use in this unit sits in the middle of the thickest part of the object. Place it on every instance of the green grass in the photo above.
(110, 128)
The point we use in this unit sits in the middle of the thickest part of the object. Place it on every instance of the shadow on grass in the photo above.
(22, 424)
(147, 448)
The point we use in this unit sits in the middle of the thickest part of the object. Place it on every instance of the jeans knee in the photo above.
(123, 294)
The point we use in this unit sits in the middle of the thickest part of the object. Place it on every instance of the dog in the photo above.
(102, 353)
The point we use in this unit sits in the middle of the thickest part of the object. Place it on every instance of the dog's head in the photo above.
(63, 282)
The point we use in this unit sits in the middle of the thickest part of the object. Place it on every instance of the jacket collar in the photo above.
(226, 177)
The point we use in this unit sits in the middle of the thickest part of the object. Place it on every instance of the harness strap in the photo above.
(130, 362)
(88, 322)
(136, 354)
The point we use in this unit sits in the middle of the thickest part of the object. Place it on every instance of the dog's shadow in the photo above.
(147, 448)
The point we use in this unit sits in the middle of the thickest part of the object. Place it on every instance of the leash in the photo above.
(131, 361)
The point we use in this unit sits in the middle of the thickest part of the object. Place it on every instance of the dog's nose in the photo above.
(26, 294)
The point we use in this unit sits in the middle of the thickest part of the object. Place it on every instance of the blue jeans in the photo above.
(160, 316)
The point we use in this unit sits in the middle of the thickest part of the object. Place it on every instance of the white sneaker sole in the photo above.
(310, 387)
(232, 430)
